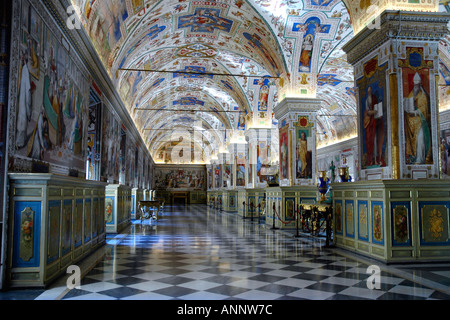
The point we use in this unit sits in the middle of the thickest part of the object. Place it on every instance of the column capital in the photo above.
(397, 25)
(303, 105)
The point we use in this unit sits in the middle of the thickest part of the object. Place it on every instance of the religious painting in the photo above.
(349, 219)
(303, 148)
(363, 222)
(445, 153)
(310, 28)
(52, 97)
(377, 222)
(218, 175)
(169, 177)
(416, 107)
(284, 152)
(111, 146)
(264, 90)
(401, 223)
(373, 115)
(255, 41)
(205, 20)
(434, 222)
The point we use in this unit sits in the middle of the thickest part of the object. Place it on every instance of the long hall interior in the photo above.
(225, 150)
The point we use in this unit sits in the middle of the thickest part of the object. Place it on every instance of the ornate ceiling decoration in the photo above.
(219, 66)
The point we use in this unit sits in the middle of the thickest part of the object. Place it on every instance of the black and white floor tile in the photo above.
(197, 253)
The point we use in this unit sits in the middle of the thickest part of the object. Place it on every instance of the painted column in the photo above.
(297, 174)
(396, 76)
(399, 216)
(259, 140)
(297, 133)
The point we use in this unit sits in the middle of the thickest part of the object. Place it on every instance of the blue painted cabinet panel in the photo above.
(27, 234)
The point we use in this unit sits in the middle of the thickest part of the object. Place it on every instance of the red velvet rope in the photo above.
(275, 209)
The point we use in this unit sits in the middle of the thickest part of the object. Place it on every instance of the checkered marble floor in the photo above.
(197, 253)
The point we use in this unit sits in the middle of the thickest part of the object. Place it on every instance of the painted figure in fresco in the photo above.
(417, 129)
(302, 150)
(374, 126)
(24, 107)
(263, 98)
(305, 56)
(241, 123)
(40, 140)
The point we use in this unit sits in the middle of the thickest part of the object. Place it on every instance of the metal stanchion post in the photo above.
(273, 217)
(259, 213)
(243, 214)
(297, 235)
(252, 205)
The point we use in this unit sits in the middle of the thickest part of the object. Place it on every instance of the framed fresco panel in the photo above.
(349, 219)
(377, 222)
(401, 223)
(434, 222)
(416, 106)
(363, 221)
(284, 152)
(303, 148)
(373, 112)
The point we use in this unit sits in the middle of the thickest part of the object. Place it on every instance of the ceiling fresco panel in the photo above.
(220, 63)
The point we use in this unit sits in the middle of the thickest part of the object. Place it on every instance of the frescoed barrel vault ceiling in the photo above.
(230, 62)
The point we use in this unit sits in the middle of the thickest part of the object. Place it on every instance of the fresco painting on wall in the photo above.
(51, 110)
(264, 91)
(217, 175)
(181, 178)
(303, 153)
(310, 28)
(416, 105)
(373, 101)
(284, 153)
(110, 149)
(227, 176)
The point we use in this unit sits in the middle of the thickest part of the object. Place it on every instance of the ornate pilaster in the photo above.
(259, 140)
(396, 78)
(297, 133)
